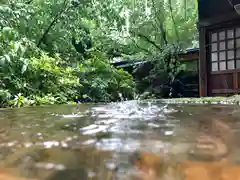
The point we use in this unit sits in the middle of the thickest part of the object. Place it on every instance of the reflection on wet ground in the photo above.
(97, 141)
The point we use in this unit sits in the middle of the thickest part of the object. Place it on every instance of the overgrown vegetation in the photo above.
(60, 51)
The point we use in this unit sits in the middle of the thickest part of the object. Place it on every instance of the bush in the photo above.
(102, 82)
(158, 77)
(4, 97)
(29, 76)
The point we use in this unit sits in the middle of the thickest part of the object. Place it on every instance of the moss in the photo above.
(204, 100)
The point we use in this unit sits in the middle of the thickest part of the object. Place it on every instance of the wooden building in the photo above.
(190, 55)
(219, 33)
(189, 86)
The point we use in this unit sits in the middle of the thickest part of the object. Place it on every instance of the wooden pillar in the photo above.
(235, 80)
(203, 81)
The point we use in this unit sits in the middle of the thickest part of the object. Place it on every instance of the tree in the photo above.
(77, 39)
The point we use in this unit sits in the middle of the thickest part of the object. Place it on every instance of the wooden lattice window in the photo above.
(225, 49)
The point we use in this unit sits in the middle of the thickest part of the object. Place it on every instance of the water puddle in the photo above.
(95, 141)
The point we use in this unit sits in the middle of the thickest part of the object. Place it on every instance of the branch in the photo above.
(185, 9)
(174, 23)
(148, 40)
(161, 28)
(164, 34)
(29, 2)
(146, 50)
(52, 23)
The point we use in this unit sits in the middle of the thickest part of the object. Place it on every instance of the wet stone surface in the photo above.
(95, 141)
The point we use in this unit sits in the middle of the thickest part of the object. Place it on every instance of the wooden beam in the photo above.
(230, 71)
(203, 89)
(189, 57)
(218, 19)
(235, 80)
(225, 91)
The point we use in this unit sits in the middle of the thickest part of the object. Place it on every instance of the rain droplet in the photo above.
(91, 174)
(60, 167)
(111, 165)
(168, 133)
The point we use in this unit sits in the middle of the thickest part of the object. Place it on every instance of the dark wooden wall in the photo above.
(213, 15)
(210, 8)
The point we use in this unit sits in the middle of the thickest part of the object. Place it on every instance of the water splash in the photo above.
(121, 97)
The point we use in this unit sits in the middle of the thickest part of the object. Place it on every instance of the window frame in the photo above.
(216, 40)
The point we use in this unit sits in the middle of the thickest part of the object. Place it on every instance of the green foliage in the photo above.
(48, 80)
(102, 82)
(155, 30)
(4, 97)
(40, 64)
(35, 78)
(166, 67)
